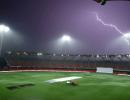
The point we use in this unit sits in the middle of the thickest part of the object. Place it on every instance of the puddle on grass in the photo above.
(14, 87)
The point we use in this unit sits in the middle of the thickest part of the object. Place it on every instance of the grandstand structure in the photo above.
(38, 61)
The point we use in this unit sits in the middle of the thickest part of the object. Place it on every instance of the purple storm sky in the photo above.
(40, 23)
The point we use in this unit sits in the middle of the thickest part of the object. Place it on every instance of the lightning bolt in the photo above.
(109, 25)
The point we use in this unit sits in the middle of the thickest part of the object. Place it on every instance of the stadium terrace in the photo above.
(45, 61)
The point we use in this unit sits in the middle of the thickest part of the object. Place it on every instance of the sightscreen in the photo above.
(104, 70)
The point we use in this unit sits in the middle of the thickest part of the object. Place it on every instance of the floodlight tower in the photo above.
(66, 40)
(3, 30)
(127, 37)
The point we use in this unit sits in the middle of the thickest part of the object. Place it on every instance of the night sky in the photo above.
(37, 25)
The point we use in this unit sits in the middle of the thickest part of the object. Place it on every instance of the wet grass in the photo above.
(32, 86)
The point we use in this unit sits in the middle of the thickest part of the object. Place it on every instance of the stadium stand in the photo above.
(3, 64)
(28, 60)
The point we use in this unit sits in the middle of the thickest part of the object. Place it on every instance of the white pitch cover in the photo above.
(63, 79)
(104, 70)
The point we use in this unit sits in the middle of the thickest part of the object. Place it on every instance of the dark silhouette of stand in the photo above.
(3, 64)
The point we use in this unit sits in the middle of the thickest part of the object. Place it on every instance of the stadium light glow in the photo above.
(65, 43)
(54, 54)
(127, 37)
(66, 38)
(3, 30)
(39, 54)
(25, 53)
(97, 56)
(128, 55)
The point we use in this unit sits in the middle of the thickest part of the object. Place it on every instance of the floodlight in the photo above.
(97, 56)
(126, 35)
(4, 28)
(65, 43)
(66, 38)
(39, 54)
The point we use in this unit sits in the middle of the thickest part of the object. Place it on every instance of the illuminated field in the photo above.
(91, 87)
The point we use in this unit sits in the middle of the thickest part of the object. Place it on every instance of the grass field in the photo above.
(91, 87)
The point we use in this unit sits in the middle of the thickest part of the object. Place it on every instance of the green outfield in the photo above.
(91, 87)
